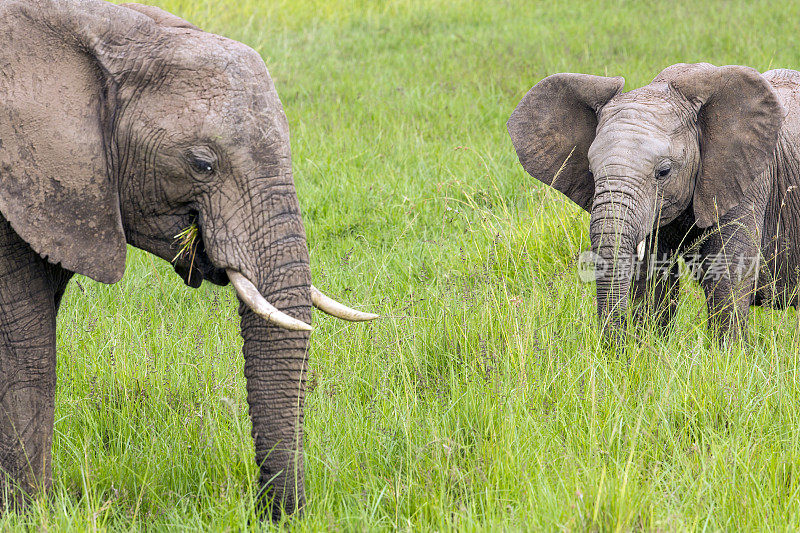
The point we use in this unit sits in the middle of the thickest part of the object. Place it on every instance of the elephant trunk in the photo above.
(276, 357)
(275, 369)
(613, 233)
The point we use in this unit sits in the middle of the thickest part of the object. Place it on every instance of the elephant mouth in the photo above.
(194, 265)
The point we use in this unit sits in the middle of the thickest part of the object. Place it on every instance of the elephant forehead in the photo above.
(635, 125)
(629, 139)
(204, 52)
(629, 147)
(645, 108)
(220, 93)
(222, 72)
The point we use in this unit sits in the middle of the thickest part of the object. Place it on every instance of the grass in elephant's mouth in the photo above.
(187, 241)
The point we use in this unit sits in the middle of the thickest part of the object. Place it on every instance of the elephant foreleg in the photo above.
(29, 290)
(729, 268)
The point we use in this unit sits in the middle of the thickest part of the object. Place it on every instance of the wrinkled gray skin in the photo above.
(703, 162)
(126, 124)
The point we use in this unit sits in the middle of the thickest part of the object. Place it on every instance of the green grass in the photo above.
(483, 399)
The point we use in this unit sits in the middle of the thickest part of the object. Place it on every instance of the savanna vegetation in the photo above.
(483, 399)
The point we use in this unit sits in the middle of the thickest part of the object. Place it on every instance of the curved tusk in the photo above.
(334, 308)
(260, 306)
(640, 250)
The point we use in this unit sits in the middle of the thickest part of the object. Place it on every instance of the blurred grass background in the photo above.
(482, 400)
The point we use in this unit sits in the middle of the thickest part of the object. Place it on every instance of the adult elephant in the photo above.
(128, 124)
(702, 162)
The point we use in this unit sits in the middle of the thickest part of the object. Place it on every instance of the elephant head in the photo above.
(128, 125)
(688, 144)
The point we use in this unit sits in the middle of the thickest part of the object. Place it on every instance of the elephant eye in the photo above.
(202, 166)
(664, 171)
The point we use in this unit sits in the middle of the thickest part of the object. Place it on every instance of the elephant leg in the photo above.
(29, 288)
(729, 270)
(656, 288)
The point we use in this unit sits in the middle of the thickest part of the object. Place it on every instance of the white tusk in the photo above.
(260, 306)
(640, 250)
(334, 308)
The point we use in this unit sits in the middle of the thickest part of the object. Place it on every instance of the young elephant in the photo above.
(126, 125)
(703, 162)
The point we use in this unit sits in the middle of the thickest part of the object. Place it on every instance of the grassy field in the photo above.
(483, 400)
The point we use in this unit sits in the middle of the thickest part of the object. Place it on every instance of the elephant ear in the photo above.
(739, 118)
(553, 127)
(57, 187)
